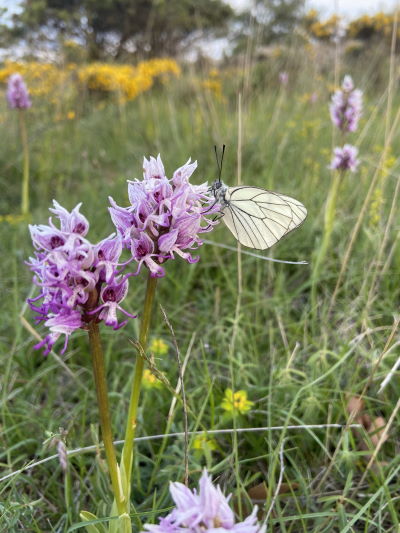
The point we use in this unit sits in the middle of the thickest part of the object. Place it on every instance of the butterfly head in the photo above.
(218, 189)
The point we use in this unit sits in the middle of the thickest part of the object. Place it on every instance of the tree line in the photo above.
(118, 29)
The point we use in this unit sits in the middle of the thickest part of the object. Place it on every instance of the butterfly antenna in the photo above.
(216, 157)
(219, 162)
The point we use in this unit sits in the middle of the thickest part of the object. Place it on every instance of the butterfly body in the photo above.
(219, 190)
(257, 218)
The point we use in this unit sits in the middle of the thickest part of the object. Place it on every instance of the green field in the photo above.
(273, 330)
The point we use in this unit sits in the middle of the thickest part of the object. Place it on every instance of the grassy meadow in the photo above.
(301, 345)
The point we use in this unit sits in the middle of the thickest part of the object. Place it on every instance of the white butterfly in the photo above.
(256, 217)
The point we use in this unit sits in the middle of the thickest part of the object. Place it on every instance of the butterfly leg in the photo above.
(218, 216)
(209, 208)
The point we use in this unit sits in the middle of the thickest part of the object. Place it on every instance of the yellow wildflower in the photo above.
(389, 163)
(158, 347)
(71, 115)
(236, 402)
(12, 219)
(376, 206)
(150, 381)
(202, 442)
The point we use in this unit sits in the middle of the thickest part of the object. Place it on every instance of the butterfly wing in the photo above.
(259, 218)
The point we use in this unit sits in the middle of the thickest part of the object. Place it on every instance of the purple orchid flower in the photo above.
(112, 295)
(79, 281)
(165, 216)
(205, 511)
(345, 158)
(61, 324)
(346, 106)
(17, 93)
(108, 252)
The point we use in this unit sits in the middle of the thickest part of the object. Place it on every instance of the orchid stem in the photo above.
(25, 177)
(104, 411)
(127, 451)
(329, 223)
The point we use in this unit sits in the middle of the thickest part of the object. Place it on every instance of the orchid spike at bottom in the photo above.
(199, 512)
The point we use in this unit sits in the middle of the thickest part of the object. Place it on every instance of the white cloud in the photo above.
(347, 8)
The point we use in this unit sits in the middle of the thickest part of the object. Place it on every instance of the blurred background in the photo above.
(112, 81)
(128, 29)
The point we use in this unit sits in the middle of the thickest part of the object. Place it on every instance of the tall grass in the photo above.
(243, 323)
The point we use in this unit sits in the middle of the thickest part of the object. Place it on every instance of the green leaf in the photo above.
(113, 525)
(91, 523)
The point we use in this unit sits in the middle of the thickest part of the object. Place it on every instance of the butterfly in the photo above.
(257, 218)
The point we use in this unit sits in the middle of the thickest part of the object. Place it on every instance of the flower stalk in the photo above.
(104, 412)
(127, 451)
(326, 238)
(345, 110)
(18, 98)
(25, 151)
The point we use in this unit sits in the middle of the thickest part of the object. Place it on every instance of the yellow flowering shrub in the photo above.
(363, 27)
(127, 81)
(321, 29)
(41, 78)
(367, 26)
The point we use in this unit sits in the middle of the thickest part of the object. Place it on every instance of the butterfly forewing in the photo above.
(259, 218)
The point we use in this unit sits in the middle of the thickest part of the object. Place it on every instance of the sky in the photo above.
(346, 8)
(352, 8)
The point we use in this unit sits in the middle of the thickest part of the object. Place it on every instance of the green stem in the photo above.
(127, 451)
(104, 411)
(25, 149)
(330, 212)
(331, 204)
